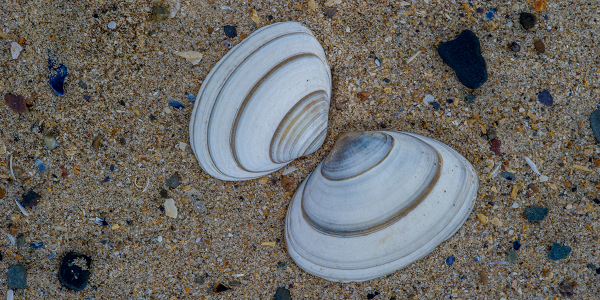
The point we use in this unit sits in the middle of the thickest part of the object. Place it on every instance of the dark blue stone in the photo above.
(508, 175)
(450, 260)
(516, 245)
(191, 97)
(72, 273)
(230, 31)
(175, 104)
(470, 98)
(490, 13)
(545, 98)
(463, 55)
(436, 105)
(536, 213)
(36, 245)
(57, 77)
(595, 124)
(559, 251)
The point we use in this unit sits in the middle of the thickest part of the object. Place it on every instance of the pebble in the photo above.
(514, 47)
(170, 208)
(97, 141)
(16, 103)
(282, 294)
(516, 245)
(112, 25)
(490, 13)
(281, 265)
(545, 98)
(536, 213)
(16, 277)
(483, 277)
(463, 55)
(176, 104)
(543, 178)
(595, 123)
(330, 11)
(436, 105)
(527, 20)
(512, 256)
(191, 97)
(82, 84)
(428, 99)
(75, 271)
(449, 260)
(30, 199)
(495, 147)
(160, 12)
(508, 175)
(559, 251)
(21, 241)
(230, 31)
(539, 46)
(200, 280)
(50, 142)
(57, 77)
(219, 287)
(36, 245)
(364, 95)
(566, 289)
(173, 181)
(15, 50)
(10, 295)
(2, 194)
(470, 98)
(496, 222)
(41, 167)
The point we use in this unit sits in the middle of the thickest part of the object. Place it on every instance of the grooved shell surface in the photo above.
(378, 202)
(263, 104)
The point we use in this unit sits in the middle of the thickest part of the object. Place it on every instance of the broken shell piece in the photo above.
(15, 50)
(264, 104)
(170, 208)
(378, 202)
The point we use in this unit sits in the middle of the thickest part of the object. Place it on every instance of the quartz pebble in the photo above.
(75, 270)
(497, 222)
(50, 142)
(463, 55)
(16, 277)
(112, 25)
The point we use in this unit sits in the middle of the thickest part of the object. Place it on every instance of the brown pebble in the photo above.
(364, 95)
(97, 141)
(16, 103)
(2, 193)
(495, 147)
(483, 277)
(341, 105)
(533, 188)
(330, 11)
(287, 182)
(539, 46)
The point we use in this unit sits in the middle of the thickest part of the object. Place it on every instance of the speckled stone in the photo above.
(16, 277)
(463, 55)
(559, 251)
(536, 213)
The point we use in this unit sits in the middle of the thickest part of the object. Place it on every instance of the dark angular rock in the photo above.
(545, 98)
(536, 213)
(516, 245)
(282, 294)
(173, 181)
(463, 55)
(31, 199)
(75, 270)
(559, 251)
(230, 31)
(17, 277)
(527, 20)
(508, 175)
(219, 287)
(15, 102)
(595, 124)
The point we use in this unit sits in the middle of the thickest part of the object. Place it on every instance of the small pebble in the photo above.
(75, 271)
(539, 46)
(170, 208)
(57, 77)
(490, 13)
(112, 25)
(508, 175)
(41, 167)
(281, 265)
(545, 98)
(595, 124)
(449, 260)
(463, 55)
(282, 294)
(516, 245)
(230, 31)
(176, 104)
(470, 98)
(10, 295)
(496, 221)
(15, 50)
(97, 141)
(21, 241)
(219, 288)
(82, 84)
(36, 245)
(50, 142)
(330, 11)
(514, 47)
(483, 277)
(566, 289)
(495, 146)
(173, 181)
(191, 97)
(428, 99)
(515, 205)
(200, 280)
(160, 12)
(527, 20)
(16, 277)
(512, 256)
(16, 103)
(372, 295)
(30, 199)
(436, 105)
(536, 213)
(559, 251)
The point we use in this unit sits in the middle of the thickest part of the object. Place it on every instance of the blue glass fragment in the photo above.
(100, 222)
(40, 166)
(490, 13)
(191, 97)
(36, 245)
(176, 104)
(57, 77)
(107, 179)
(449, 260)
(128, 222)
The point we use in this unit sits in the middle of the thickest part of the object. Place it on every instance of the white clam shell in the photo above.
(378, 202)
(263, 104)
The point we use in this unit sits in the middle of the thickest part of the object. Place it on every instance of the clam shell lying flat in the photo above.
(264, 104)
(378, 202)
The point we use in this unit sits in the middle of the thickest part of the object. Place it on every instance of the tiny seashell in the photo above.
(15, 50)
(170, 208)
(377, 203)
(192, 57)
(288, 170)
(532, 165)
(57, 77)
(264, 104)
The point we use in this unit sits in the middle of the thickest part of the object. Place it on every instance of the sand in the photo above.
(232, 232)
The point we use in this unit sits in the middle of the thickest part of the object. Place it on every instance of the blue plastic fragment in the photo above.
(36, 245)
(449, 260)
(128, 222)
(476, 258)
(107, 179)
(52, 255)
(490, 13)
(176, 104)
(40, 166)
(100, 222)
(546, 17)
(57, 77)
(191, 97)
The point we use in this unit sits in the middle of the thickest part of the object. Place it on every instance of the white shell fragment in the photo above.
(378, 202)
(15, 50)
(532, 165)
(170, 208)
(264, 104)
(192, 57)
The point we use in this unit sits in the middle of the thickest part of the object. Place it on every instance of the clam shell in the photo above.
(378, 202)
(264, 104)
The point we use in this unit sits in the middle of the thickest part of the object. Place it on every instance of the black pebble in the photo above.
(30, 199)
(72, 274)
(536, 213)
(282, 294)
(463, 55)
(173, 181)
(16, 277)
(516, 245)
(596, 200)
(372, 295)
(219, 287)
(527, 20)
(164, 193)
(545, 98)
(230, 31)
(122, 141)
(595, 124)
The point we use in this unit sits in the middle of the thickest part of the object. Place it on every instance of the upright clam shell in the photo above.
(264, 104)
(378, 202)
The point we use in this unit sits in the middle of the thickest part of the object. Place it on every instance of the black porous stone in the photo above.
(463, 55)
(527, 20)
(230, 31)
(75, 271)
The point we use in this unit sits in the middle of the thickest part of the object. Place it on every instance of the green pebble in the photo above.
(512, 256)
(160, 12)
(470, 98)
(559, 251)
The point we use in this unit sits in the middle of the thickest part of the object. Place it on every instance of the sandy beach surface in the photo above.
(119, 142)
